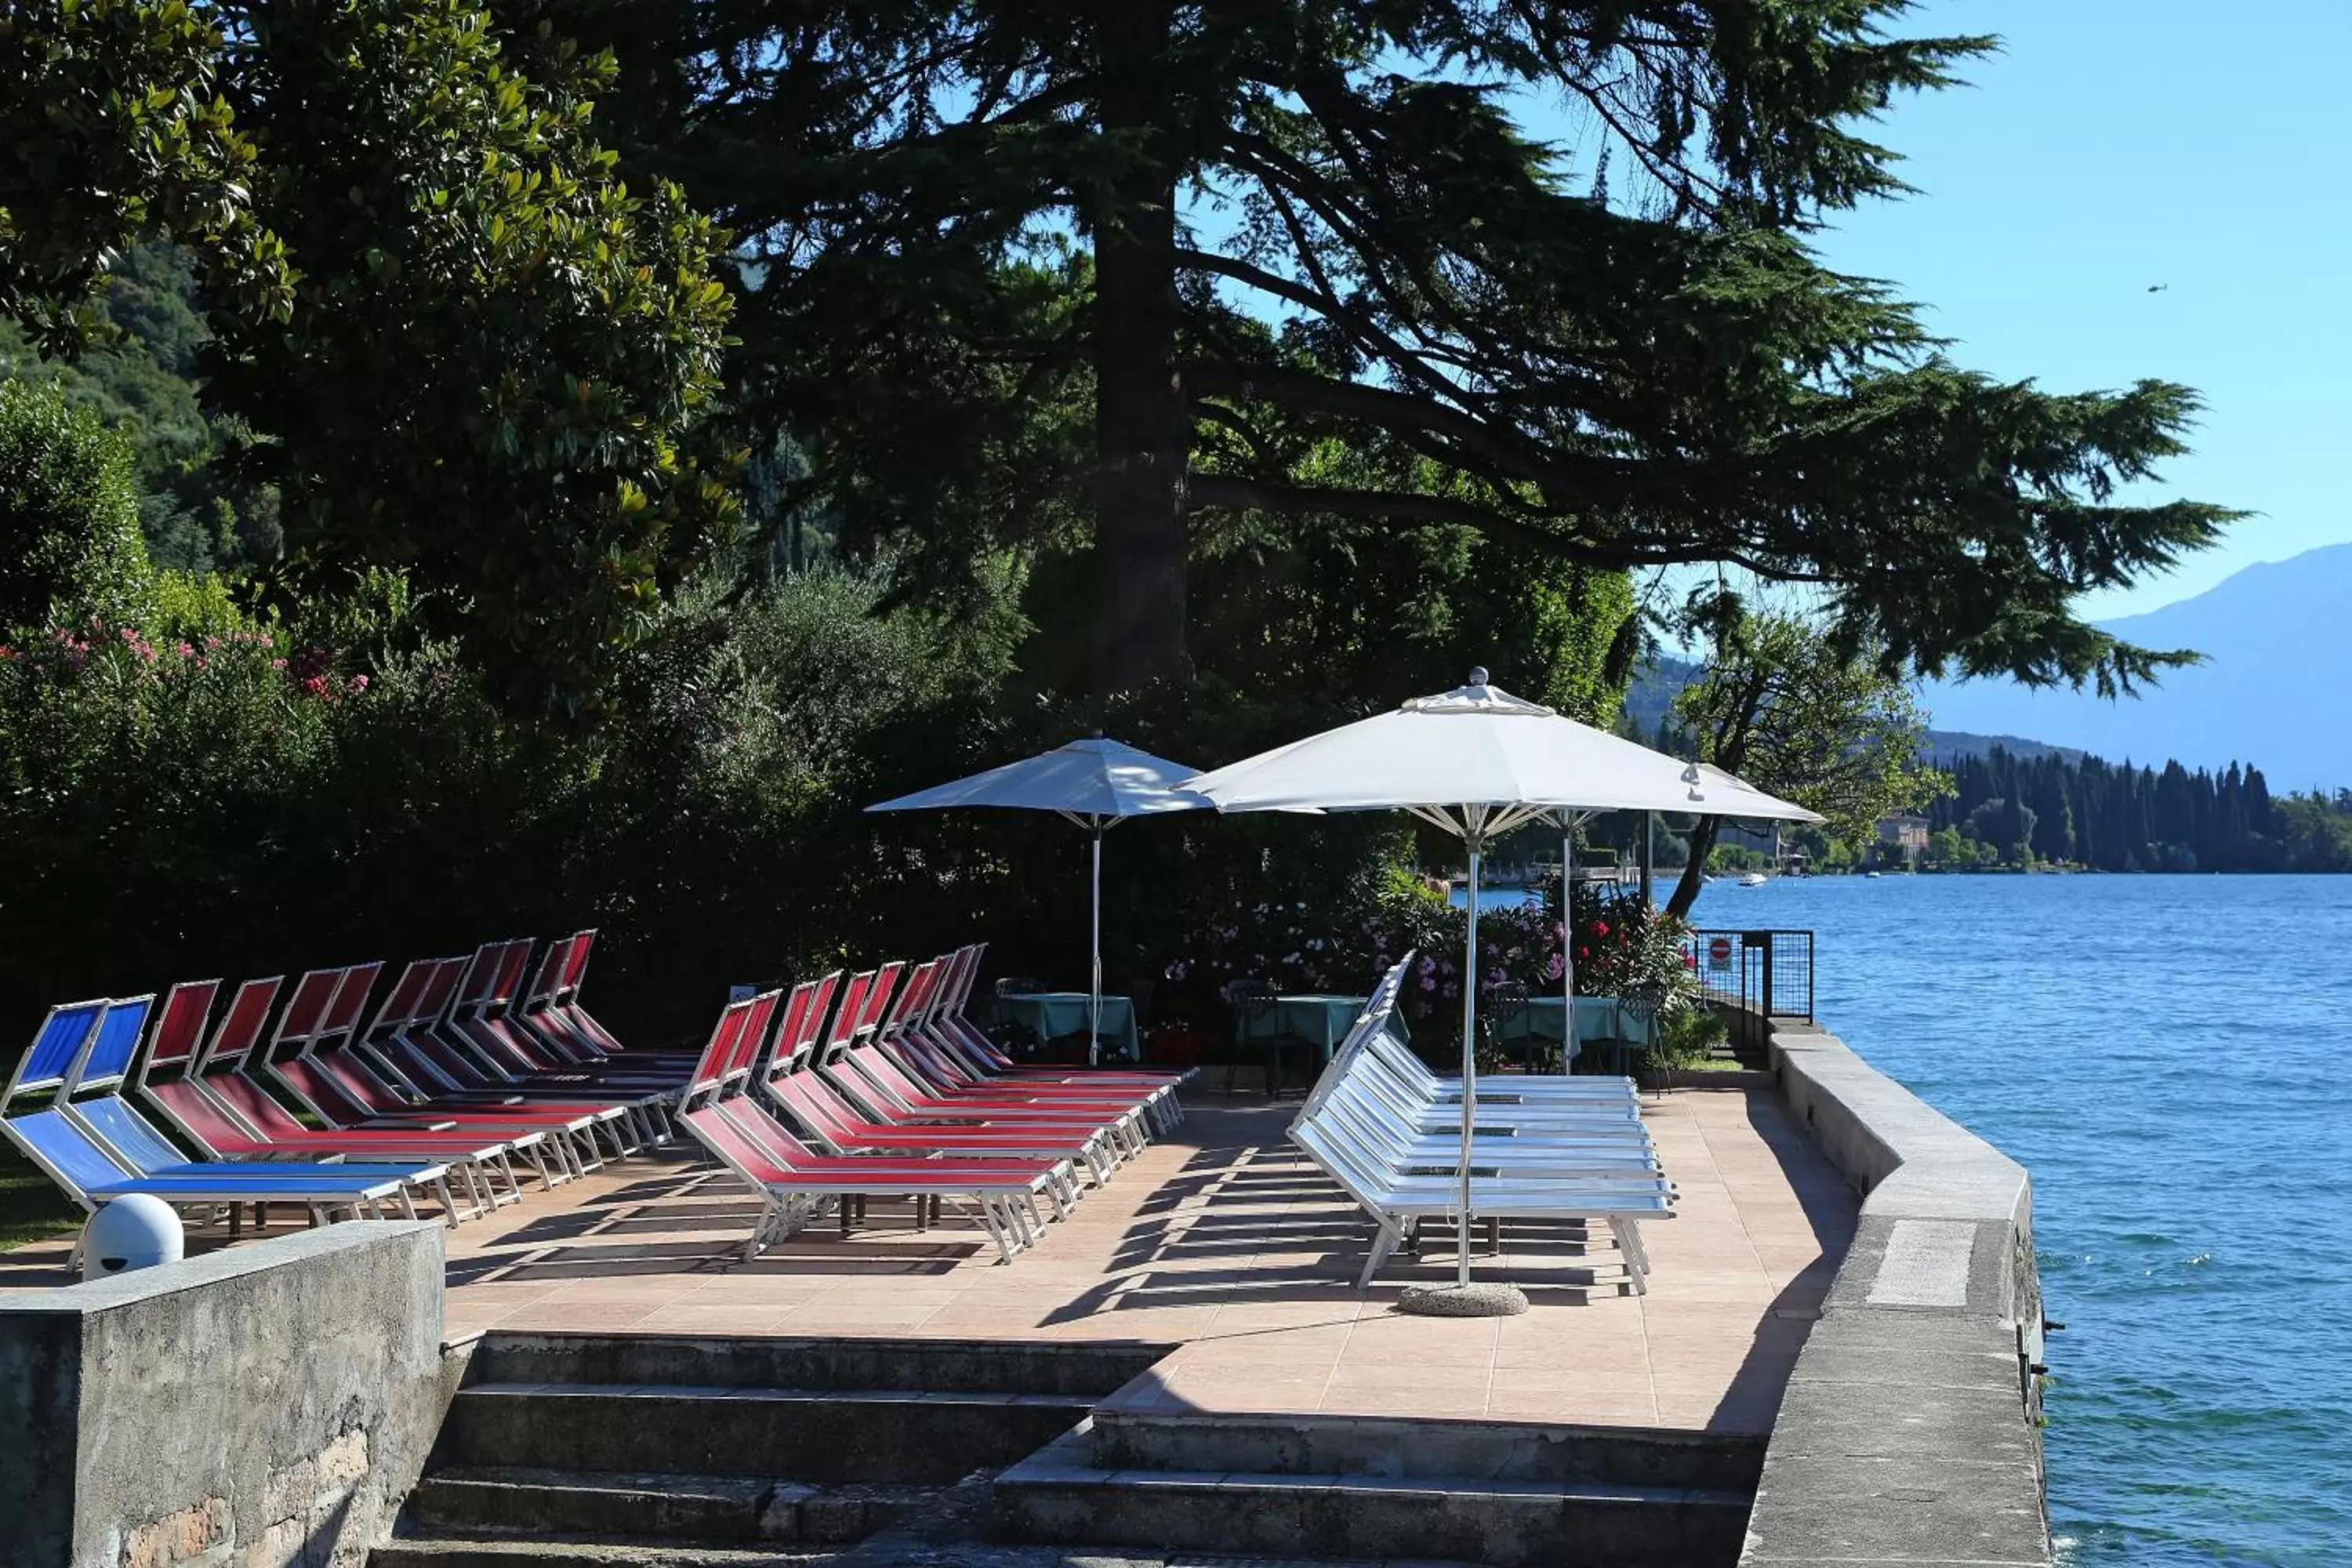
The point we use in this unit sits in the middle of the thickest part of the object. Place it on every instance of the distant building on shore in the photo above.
(1904, 834)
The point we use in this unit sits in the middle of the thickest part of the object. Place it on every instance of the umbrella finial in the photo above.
(1477, 675)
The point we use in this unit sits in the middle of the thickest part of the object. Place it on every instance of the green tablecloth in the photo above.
(1597, 1018)
(1323, 1021)
(1049, 1014)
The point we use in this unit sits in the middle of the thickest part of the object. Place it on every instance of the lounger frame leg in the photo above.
(1636, 1256)
(1384, 1242)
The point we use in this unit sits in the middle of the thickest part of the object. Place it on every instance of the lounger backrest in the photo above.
(179, 1029)
(440, 991)
(241, 1024)
(401, 1004)
(107, 1061)
(547, 982)
(307, 1008)
(481, 978)
(56, 1045)
(789, 1029)
(343, 1013)
(877, 999)
(845, 1017)
(757, 1020)
(719, 1050)
(576, 966)
(794, 1052)
(909, 1000)
(955, 979)
(511, 965)
(960, 970)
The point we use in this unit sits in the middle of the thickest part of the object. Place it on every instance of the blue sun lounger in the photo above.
(93, 1173)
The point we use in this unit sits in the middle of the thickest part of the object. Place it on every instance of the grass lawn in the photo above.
(31, 1207)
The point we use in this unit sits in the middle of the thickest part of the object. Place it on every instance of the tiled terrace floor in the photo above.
(1221, 1242)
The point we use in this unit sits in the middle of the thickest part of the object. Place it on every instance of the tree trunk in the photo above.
(1141, 433)
(1694, 877)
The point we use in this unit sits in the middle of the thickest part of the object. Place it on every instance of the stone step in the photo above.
(824, 1435)
(718, 1510)
(1059, 1495)
(455, 1551)
(1398, 1449)
(949, 1366)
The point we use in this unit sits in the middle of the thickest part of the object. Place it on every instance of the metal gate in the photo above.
(1765, 975)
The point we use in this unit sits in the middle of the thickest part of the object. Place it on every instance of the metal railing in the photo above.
(1765, 974)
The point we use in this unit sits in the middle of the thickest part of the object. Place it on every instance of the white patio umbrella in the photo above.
(1477, 763)
(1095, 783)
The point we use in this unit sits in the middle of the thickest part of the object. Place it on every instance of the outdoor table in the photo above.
(1321, 1021)
(1050, 1015)
(1597, 1018)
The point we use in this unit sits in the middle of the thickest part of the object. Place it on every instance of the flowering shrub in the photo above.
(1344, 943)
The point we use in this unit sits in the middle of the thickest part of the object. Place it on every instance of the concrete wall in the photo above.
(258, 1408)
(1910, 1429)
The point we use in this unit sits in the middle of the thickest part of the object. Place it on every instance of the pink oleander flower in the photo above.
(316, 686)
(277, 664)
(357, 684)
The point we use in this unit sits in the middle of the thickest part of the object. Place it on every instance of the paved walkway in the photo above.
(1219, 1242)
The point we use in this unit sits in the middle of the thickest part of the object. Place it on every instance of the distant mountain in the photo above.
(1943, 745)
(1657, 683)
(2268, 693)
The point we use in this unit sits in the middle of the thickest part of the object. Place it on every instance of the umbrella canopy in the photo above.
(1094, 783)
(1089, 780)
(1478, 762)
(1479, 746)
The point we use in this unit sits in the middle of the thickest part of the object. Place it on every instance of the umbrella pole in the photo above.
(1567, 940)
(1469, 1060)
(1094, 997)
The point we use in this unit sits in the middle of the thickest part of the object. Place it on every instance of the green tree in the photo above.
(495, 366)
(1309, 222)
(113, 128)
(137, 374)
(69, 540)
(1786, 706)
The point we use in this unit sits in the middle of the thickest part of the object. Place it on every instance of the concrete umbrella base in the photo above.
(1462, 1300)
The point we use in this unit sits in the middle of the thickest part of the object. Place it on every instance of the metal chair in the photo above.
(1017, 1039)
(1643, 1004)
(1252, 1001)
(1505, 1006)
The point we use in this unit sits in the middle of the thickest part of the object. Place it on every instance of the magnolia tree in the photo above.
(1796, 711)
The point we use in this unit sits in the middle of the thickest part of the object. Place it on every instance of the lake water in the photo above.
(2168, 1055)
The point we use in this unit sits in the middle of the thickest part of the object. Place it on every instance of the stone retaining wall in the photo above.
(1910, 1431)
(259, 1407)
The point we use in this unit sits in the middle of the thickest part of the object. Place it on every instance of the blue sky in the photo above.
(2112, 146)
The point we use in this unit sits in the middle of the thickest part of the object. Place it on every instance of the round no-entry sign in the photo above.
(1718, 951)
